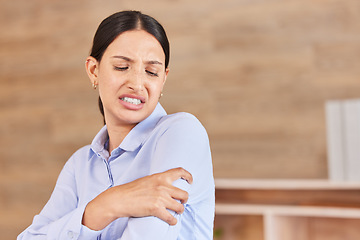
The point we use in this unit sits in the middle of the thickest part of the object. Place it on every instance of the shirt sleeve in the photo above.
(184, 143)
(61, 217)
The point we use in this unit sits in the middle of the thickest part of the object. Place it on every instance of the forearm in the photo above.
(147, 196)
(69, 225)
(98, 214)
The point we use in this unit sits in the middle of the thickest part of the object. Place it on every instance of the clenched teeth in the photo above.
(131, 100)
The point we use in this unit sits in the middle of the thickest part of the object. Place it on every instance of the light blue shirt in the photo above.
(158, 143)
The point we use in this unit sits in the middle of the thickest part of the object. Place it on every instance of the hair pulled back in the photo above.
(120, 22)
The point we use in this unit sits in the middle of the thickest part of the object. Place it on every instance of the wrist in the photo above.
(96, 217)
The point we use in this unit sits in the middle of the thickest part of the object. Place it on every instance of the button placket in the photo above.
(111, 180)
(71, 234)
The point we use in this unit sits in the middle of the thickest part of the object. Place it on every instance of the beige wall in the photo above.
(255, 72)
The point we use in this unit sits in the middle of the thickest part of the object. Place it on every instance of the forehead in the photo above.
(136, 43)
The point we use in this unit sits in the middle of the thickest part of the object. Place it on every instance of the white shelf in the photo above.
(284, 184)
(298, 211)
(290, 207)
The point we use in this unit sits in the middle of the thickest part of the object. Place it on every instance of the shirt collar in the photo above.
(135, 138)
(98, 144)
(142, 130)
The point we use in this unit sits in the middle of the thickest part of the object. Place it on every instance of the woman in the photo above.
(146, 175)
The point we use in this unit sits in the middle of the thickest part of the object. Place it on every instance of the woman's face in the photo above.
(130, 77)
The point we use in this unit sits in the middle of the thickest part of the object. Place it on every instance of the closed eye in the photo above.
(121, 68)
(151, 73)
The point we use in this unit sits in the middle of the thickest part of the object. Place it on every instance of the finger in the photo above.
(166, 216)
(179, 194)
(175, 206)
(177, 173)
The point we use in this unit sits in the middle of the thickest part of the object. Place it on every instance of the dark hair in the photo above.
(120, 22)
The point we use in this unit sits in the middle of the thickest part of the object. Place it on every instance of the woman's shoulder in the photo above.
(180, 127)
(182, 121)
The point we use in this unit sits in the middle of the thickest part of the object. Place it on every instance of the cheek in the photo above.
(110, 82)
(155, 88)
(107, 87)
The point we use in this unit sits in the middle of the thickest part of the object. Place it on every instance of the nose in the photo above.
(135, 80)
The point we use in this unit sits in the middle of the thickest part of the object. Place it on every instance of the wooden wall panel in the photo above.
(256, 73)
(238, 227)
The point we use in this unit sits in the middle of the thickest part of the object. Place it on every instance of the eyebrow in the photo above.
(124, 58)
(131, 60)
(154, 62)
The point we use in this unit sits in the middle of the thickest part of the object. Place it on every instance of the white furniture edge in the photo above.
(284, 184)
(284, 210)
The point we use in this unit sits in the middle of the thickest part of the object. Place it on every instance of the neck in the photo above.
(117, 135)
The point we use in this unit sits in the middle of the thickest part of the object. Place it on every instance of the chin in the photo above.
(133, 120)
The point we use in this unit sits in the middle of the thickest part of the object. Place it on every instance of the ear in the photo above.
(92, 69)
(165, 77)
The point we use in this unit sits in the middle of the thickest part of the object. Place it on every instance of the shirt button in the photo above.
(70, 234)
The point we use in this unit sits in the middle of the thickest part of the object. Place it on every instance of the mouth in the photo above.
(134, 101)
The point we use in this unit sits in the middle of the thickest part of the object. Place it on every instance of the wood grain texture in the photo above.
(333, 198)
(317, 228)
(238, 227)
(256, 74)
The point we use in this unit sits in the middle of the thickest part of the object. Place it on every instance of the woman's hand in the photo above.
(148, 196)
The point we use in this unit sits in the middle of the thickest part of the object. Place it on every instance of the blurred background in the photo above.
(256, 73)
